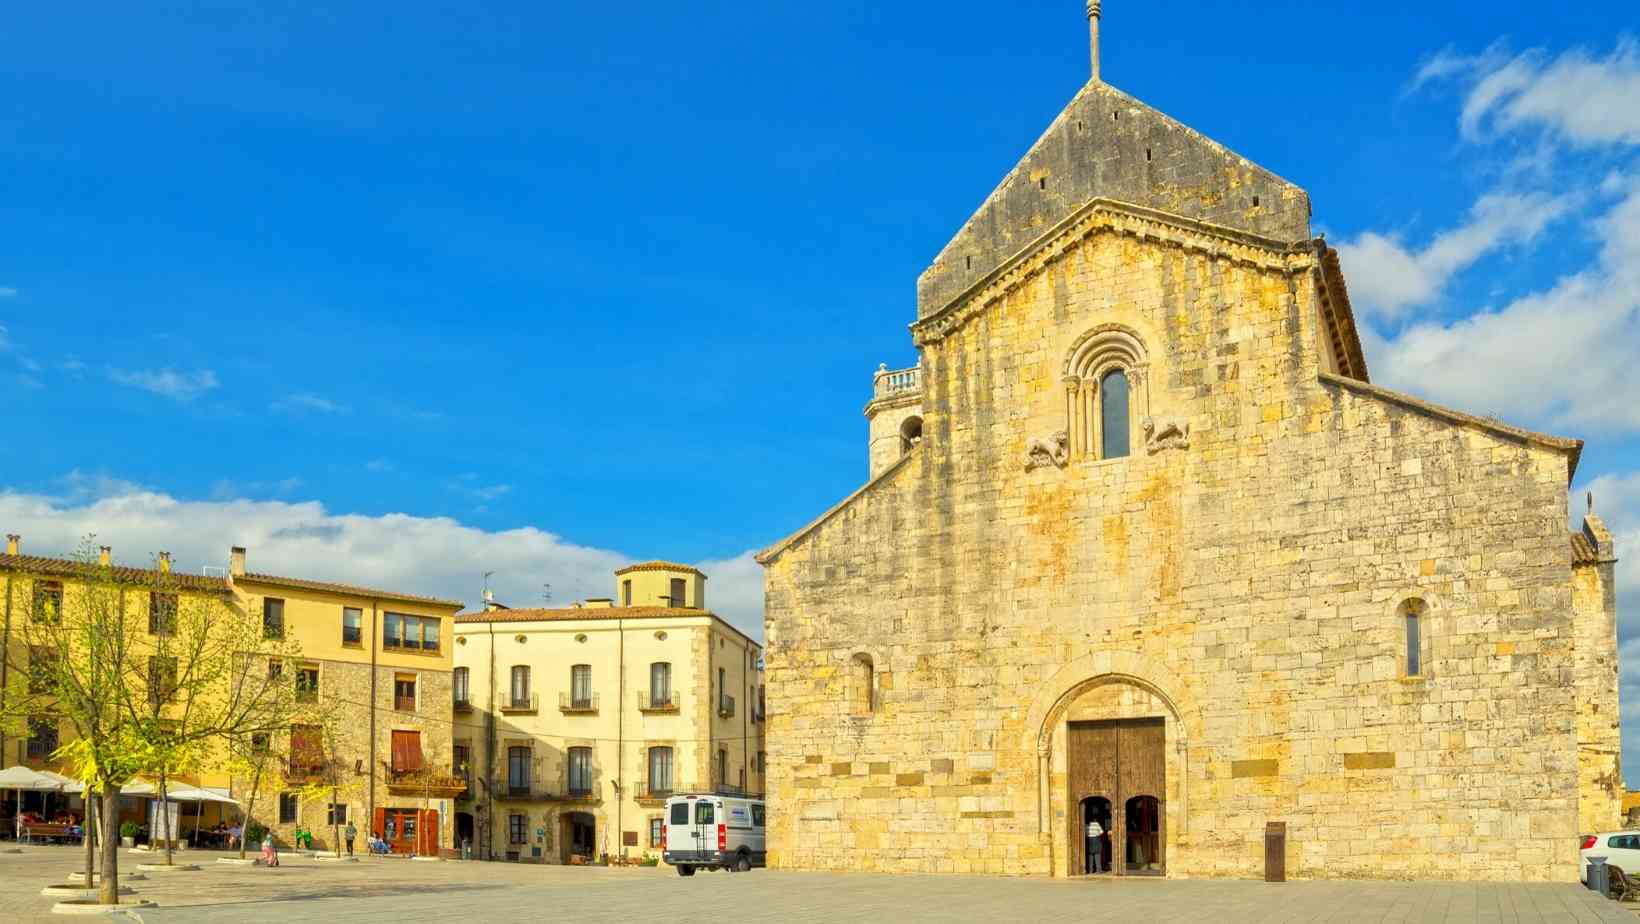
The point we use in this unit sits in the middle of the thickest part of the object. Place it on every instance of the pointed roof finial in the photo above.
(1093, 34)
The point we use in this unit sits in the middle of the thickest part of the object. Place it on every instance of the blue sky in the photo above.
(543, 288)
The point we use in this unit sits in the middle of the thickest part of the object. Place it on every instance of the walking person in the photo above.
(1096, 847)
(270, 857)
(351, 833)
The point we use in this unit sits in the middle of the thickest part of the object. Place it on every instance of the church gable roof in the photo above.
(1106, 144)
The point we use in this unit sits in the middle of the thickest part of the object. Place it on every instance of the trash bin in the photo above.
(1599, 879)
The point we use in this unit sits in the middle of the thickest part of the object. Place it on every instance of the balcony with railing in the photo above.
(645, 792)
(657, 702)
(463, 705)
(726, 706)
(571, 704)
(891, 383)
(521, 705)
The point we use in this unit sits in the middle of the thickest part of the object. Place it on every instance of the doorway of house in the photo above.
(1144, 830)
(1117, 767)
(464, 829)
(1096, 811)
(579, 837)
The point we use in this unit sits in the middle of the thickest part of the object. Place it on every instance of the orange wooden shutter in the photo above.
(381, 821)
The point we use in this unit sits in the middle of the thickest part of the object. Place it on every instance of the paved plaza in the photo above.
(379, 890)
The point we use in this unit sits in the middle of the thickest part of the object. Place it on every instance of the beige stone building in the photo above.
(577, 723)
(1142, 545)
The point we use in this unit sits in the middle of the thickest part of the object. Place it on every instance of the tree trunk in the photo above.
(110, 882)
(165, 818)
(335, 826)
(250, 806)
(87, 827)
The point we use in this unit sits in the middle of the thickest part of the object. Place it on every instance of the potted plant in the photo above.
(128, 834)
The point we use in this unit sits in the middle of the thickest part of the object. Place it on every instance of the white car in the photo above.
(1620, 848)
(713, 832)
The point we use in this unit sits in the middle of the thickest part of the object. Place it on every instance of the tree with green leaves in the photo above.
(320, 769)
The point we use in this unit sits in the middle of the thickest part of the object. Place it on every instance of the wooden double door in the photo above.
(1117, 776)
(408, 830)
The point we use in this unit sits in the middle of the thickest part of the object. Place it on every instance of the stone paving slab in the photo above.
(393, 890)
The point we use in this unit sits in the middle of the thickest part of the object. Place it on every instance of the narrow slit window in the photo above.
(1113, 411)
(1415, 666)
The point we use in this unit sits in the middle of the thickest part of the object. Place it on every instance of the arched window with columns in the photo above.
(1106, 392)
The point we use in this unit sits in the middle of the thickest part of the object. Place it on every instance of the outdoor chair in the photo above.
(1621, 887)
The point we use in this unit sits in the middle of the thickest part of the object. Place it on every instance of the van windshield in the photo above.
(680, 813)
(703, 813)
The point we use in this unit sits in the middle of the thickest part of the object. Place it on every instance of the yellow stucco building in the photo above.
(380, 659)
(576, 723)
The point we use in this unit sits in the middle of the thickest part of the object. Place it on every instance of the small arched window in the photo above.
(1113, 415)
(862, 685)
(1413, 627)
(910, 434)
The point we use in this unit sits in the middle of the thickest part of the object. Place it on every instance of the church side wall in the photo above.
(1599, 736)
(1254, 575)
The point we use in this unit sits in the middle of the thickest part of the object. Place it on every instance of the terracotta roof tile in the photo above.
(346, 589)
(661, 566)
(68, 567)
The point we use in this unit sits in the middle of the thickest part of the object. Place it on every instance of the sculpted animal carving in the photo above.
(1166, 433)
(1052, 450)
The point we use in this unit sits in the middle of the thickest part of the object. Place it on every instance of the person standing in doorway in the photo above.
(1096, 847)
(351, 833)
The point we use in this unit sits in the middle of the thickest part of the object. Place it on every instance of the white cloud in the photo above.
(180, 386)
(468, 484)
(437, 556)
(308, 402)
(1563, 356)
(1387, 279)
(1577, 98)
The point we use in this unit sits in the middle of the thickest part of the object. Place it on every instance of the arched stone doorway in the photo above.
(1079, 721)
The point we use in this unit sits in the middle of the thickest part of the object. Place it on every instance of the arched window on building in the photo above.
(1413, 626)
(910, 434)
(1113, 415)
(1105, 375)
(862, 685)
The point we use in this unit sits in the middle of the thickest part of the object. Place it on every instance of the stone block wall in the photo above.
(1249, 587)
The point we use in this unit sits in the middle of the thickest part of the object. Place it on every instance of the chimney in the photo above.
(105, 555)
(12, 542)
(165, 563)
(1093, 35)
(236, 561)
(489, 601)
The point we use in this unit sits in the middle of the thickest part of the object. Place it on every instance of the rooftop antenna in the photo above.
(546, 593)
(487, 576)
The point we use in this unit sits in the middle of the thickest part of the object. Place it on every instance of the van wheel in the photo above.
(743, 864)
(686, 871)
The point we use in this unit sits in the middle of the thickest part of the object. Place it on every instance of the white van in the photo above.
(713, 832)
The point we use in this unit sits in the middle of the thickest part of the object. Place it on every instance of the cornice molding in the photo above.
(1124, 219)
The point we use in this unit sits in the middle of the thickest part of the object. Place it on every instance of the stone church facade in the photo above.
(1142, 544)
